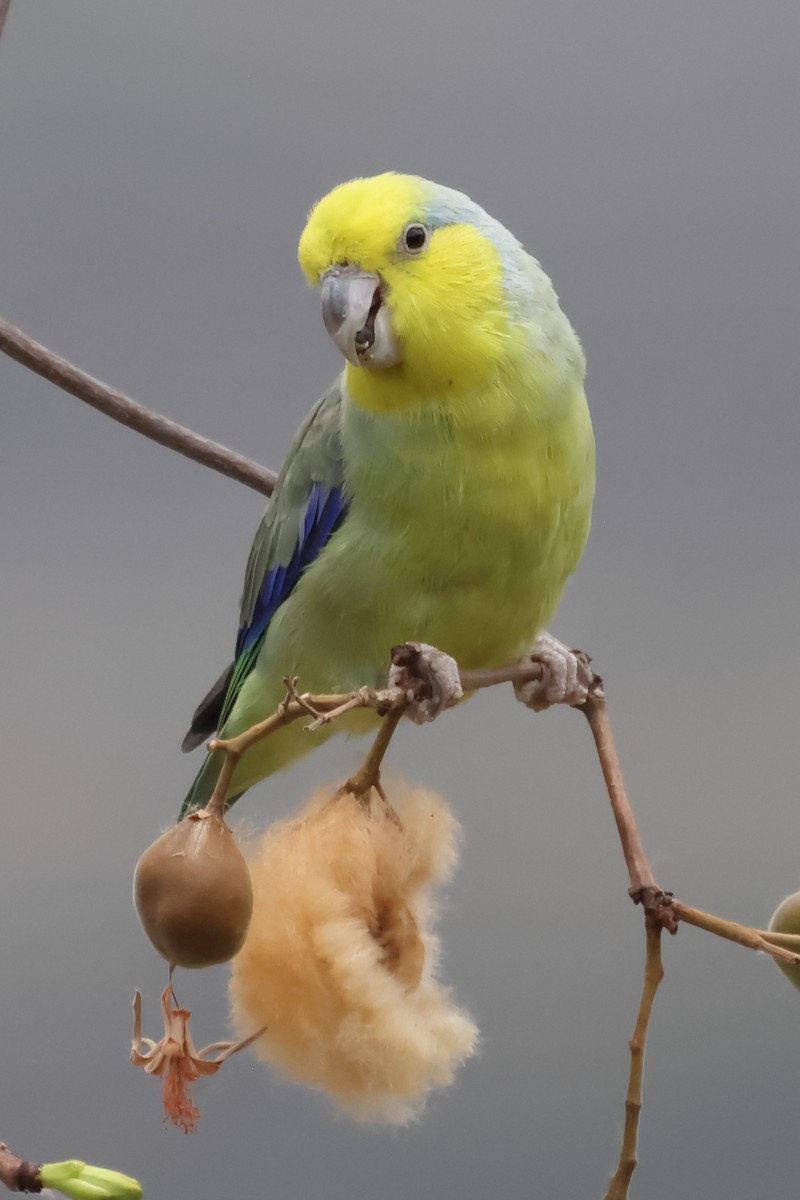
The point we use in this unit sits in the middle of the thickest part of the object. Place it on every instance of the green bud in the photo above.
(82, 1181)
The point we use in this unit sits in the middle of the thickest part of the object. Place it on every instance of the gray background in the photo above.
(156, 163)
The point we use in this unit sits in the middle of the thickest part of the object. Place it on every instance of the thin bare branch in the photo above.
(327, 708)
(5, 5)
(325, 718)
(18, 1174)
(754, 939)
(63, 374)
(789, 941)
(643, 887)
(388, 700)
(653, 974)
(288, 711)
(369, 775)
(658, 904)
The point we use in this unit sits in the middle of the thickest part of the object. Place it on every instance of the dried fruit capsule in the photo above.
(193, 893)
(786, 919)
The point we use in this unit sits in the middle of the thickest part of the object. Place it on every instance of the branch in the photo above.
(18, 1174)
(63, 374)
(368, 776)
(5, 5)
(662, 911)
(754, 939)
(659, 905)
(326, 708)
(653, 974)
(783, 947)
(323, 709)
(643, 887)
(391, 702)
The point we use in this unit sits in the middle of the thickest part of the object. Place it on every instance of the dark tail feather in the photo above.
(205, 721)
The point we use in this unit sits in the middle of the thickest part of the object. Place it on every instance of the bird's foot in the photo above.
(566, 678)
(429, 677)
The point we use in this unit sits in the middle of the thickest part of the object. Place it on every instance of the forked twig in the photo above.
(387, 700)
(327, 708)
(659, 905)
(662, 911)
(783, 947)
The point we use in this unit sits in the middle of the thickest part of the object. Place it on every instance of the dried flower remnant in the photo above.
(176, 1059)
(340, 959)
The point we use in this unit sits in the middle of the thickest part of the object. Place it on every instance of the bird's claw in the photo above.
(566, 678)
(429, 677)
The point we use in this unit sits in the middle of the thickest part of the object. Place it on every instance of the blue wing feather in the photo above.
(325, 511)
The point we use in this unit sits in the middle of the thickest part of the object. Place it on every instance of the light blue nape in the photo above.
(449, 207)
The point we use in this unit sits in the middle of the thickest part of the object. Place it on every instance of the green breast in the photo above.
(461, 531)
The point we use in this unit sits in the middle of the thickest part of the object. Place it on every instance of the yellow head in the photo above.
(421, 289)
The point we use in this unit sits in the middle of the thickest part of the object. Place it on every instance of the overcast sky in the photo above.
(157, 162)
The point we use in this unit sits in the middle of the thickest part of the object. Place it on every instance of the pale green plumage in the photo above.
(469, 504)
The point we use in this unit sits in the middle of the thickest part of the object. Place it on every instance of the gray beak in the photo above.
(357, 318)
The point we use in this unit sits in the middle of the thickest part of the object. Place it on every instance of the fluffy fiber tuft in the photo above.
(340, 958)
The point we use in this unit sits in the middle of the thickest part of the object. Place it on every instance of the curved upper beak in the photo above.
(356, 316)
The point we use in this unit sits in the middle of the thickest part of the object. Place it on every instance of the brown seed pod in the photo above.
(786, 919)
(193, 893)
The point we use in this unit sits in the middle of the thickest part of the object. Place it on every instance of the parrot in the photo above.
(440, 490)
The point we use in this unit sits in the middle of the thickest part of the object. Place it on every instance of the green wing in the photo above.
(307, 505)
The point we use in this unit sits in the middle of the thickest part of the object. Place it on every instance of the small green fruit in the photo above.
(786, 919)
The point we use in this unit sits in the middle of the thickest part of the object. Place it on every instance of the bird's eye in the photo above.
(415, 237)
